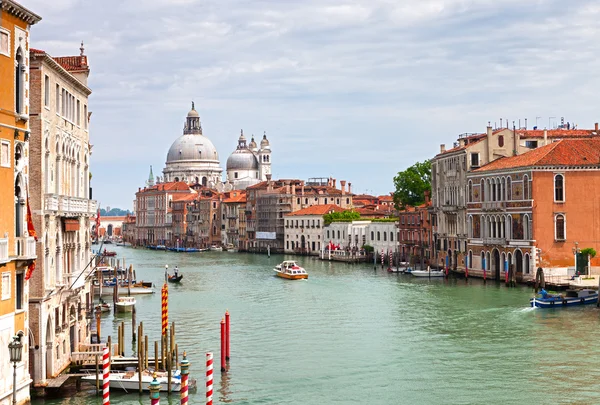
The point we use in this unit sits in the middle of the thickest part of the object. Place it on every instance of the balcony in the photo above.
(70, 206)
(494, 241)
(25, 248)
(493, 205)
(4, 251)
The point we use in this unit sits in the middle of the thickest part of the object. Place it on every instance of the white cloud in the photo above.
(360, 89)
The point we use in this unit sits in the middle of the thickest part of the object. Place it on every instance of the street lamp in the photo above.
(575, 251)
(166, 272)
(15, 348)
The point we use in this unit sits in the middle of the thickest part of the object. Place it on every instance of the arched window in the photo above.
(372, 235)
(391, 236)
(378, 236)
(470, 191)
(482, 191)
(385, 236)
(508, 189)
(19, 82)
(559, 192)
(559, 225)
(470, 260)
(501, 140)
(525, 187)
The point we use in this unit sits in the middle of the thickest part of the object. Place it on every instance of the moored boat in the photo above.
(129, 380)
(125, 304)
(109, 253)
(569, 298)
(290, 270)
(427, 273)
(103, 307)
(216, 248)
(175, 279)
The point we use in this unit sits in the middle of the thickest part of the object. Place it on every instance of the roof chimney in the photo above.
(334, 181)
(442, 150)
(489, 131)
(426, 196)
(545, 137)
(349, 188)
(287, 186)
(343, 185)
(596, 127)
(293, 187)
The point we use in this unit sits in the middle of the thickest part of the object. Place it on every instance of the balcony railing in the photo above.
(494, 241)
(25, 248)
(69, 205)
(4, 250)
(493, 205)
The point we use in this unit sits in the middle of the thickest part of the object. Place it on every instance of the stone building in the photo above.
(233, 207)
(153, 208)
(60, 198)
(352, 236)
(523, 205)
(17, 243)
(268, 202)
(415, 236)
(304, 229)
(204, 223)
(449, 171)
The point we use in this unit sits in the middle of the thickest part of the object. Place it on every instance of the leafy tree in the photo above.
(114, 212)
(411, 185)
(341, 216)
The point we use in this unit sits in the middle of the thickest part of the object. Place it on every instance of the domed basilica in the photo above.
(194, 159)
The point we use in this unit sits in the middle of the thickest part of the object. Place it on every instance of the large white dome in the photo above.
(192, 148)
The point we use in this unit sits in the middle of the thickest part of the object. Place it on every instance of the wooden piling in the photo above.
(172, 338)
(162, 351)
(97, 376)
(155, 355)
(169, 359)
(139, 353)
(176, 355)
(146, 352)
(133, 323)
(122, 338)
(110, 349)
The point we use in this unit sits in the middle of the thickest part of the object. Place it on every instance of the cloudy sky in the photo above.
(357, 90)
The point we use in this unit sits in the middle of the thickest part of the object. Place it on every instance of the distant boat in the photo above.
(230, 248)
(125, 304)
(104, 307)
(216, 248)
(108, 253)
(428, 273)
(175, 279)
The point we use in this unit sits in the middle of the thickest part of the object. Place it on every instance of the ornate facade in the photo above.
(60, 196)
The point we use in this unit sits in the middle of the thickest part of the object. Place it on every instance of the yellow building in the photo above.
(17, 248)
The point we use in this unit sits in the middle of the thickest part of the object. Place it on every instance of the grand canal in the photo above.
(350, 334)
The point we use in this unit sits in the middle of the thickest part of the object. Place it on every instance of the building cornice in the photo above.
(19, 11)
(53, 64)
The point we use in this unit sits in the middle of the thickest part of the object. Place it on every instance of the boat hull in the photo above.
(173, 279)
(425, 273)
(290, 276)
(558, 302)
(131, 384)
(124, 307)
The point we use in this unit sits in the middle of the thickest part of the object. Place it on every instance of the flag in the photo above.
(30, 227)
(30, 270)
(98, 224)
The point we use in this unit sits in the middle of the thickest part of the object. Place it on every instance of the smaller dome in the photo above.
(264, 142)
(242, 159)
(193, 112)
(252, 145)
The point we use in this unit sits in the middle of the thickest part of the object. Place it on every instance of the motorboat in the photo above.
(108, 253)
(146, 284)
(102, 307)
(216, 248)
(569, 298)
(230, 248)
(290, 270)
(125, 304)
(130, 380)
(427, 273)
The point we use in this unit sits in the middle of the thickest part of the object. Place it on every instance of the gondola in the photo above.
(175, 279)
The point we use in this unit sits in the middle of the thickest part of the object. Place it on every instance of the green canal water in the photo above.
(350, 334)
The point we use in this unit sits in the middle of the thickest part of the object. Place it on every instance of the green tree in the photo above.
(591, 252)
(411, 185)
(341, 216)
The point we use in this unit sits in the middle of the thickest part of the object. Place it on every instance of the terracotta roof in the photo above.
(317, 210)
(184, 197)
(472, 141)
(366, 212)
(240, 198)
(388, 198)
(73, 64)
(566, 152)
(556, 133)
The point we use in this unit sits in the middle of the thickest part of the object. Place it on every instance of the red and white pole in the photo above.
(227, 330)
(209, 378)
(105, 376)
(223, 345)
(185, 371)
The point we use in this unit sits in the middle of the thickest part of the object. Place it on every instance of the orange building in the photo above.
(531, 210)
(17, 245)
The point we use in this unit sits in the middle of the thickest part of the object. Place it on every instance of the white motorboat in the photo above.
(291, 270)
(129, 380)
(125, 304)
(216, 248)
(428, 273)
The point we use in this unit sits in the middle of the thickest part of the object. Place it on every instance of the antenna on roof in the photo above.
(525, 123)
(550, 126)
(500, 122)
(536, 120)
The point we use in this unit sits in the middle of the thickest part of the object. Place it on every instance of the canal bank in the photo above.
(350, 334)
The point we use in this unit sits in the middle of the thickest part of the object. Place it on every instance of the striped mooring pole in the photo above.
(165, 309)
(209, 378)
(154, 391)
(105, 376)
(227, 330)
(185, 371)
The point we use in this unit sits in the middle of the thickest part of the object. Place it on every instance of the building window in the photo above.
(235, 175)
(85, 119)
(46, 91)
(378, 236)
(560, 232)
(57, 106)
(19, 291)
(385, 236)
(559, 192)
(470, 191)
(4, 42)
(474, 159)
(391, 236)
(78, 113)
(501, 140)
(526, 188)
(6, 285)
(5, 154)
